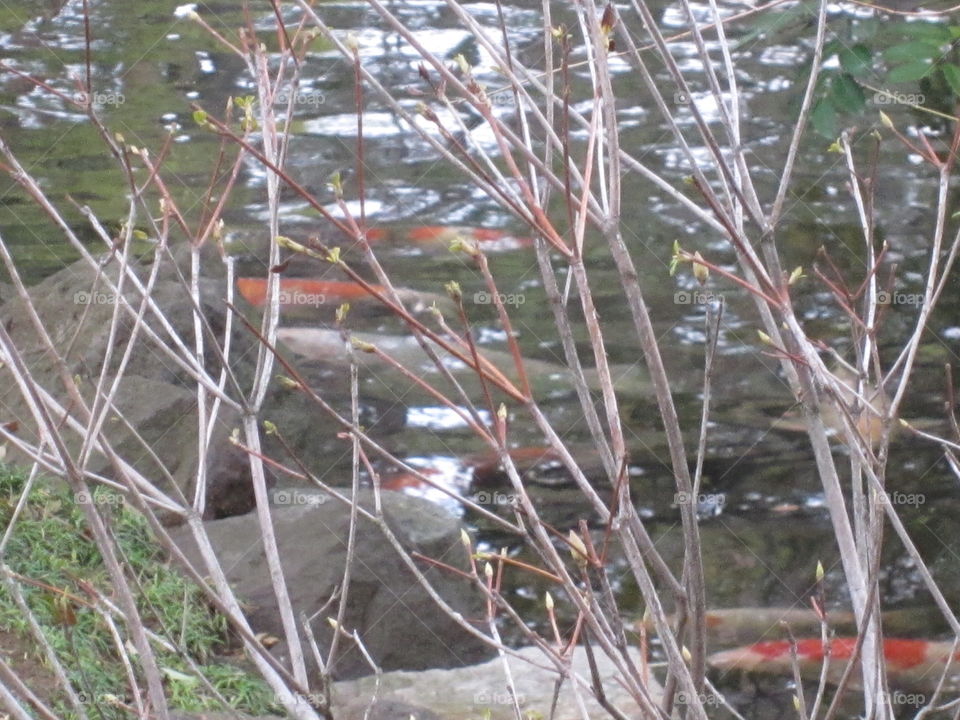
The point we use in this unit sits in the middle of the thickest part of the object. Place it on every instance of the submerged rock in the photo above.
(547, 379)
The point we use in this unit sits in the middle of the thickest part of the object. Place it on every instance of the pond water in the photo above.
(764, 521)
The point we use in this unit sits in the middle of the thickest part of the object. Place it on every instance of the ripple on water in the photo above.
(439, 418)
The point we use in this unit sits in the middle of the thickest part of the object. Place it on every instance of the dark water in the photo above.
(765, 524)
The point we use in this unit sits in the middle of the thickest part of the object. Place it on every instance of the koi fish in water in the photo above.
(315, 293)
(911, 664)
(305, 291)
(729, 627)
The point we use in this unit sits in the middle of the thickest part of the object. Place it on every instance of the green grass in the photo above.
(52, 546)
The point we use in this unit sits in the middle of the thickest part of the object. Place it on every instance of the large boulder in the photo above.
(158, 398)
(477, 691)
(481, 691)
(399, 624)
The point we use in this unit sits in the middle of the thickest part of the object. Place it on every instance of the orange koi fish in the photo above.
(407, 480)
(305, 291)
(910, 663)
(729, 627)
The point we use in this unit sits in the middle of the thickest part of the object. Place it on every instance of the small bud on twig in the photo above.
(200, 118)
(459, 244)
(362, 346)
(700, 271)
(289, 244)
(288, 383)
(336, 184)
(606, 21)
(577, 549)
(453, 290)
(675, 258)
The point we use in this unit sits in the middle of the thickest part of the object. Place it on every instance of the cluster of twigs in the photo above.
(521, 176)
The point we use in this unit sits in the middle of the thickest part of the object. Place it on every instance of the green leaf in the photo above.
(847, 95)
(856, 60)
(912, 52)
(909, 72)
(952, 75)
(954, 31)
(937, 32)
(824, 118)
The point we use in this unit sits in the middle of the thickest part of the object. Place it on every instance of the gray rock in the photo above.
(399, 624)
(478, 691)
(481, 690)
